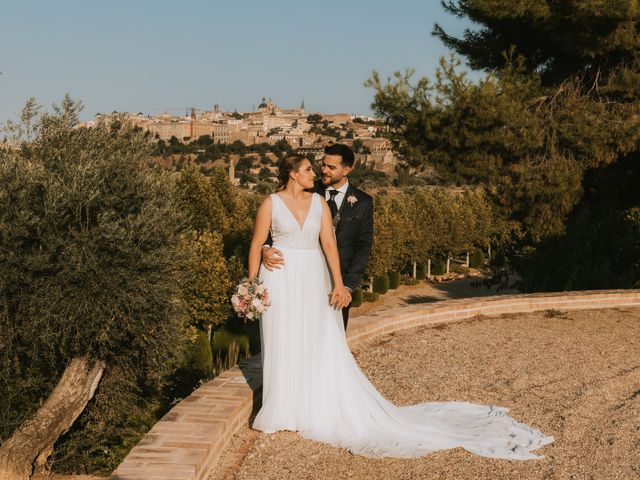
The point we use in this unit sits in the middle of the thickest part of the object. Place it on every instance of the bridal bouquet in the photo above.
(251, 299)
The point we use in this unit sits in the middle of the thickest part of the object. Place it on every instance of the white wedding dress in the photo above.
(313, 385)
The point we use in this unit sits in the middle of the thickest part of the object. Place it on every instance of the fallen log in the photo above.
(32, 443)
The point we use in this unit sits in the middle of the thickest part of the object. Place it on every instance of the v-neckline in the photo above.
(300, 226)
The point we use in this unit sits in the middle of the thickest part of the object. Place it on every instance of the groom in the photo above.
(352, 212)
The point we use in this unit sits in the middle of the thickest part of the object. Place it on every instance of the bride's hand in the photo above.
(340, 297)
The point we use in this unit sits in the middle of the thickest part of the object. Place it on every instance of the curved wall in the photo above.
(188, 441)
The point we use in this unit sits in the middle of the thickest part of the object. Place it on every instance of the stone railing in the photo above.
(188, 441)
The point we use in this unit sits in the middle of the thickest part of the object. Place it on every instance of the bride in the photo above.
(311, 382)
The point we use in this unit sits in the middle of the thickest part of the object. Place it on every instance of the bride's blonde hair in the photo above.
(290, 163)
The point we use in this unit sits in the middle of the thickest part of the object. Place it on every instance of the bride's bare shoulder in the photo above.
(266, 204)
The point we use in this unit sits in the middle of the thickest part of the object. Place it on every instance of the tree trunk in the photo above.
(32, 443)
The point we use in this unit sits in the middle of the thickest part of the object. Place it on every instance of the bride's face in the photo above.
(305, 174)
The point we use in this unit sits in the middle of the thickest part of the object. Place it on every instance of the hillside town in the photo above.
(269, 125)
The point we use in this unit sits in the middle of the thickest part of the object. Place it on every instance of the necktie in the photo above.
(332, 202)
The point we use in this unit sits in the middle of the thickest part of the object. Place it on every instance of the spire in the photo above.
(302, 104)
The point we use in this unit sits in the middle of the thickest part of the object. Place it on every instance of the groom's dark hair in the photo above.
(344, 151)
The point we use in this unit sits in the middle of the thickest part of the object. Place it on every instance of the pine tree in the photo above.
(558, 38)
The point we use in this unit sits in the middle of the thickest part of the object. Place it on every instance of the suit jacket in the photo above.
(354, 233)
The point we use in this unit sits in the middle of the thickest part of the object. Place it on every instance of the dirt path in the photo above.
(575, 375)
(428, 292)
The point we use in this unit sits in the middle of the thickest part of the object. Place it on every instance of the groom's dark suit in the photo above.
(354, 235)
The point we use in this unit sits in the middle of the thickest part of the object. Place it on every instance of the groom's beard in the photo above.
(329, 182)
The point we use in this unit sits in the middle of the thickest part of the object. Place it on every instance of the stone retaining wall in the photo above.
(188, 441)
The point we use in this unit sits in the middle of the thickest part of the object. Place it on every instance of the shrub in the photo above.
(230, 344)
(394, 280)
(421, 271)
(407, 280)
(438, 267)
(89, 256)
(357, 299)
(370, 296)
(207, 283)
(223, 340)
(197, 365)
(381, 284)
(476, 259)
(498, 259)
(200, 359)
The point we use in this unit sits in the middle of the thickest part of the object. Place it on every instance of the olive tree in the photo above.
(89, 256)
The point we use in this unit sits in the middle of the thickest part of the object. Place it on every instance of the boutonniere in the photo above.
(352, 200)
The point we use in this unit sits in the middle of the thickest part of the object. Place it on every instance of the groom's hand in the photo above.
(340, 297)
(272, 258)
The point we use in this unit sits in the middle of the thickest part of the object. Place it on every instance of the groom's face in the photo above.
(333, 171)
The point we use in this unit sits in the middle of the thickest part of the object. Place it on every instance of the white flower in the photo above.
(256, 302)
(242, 290)
(260, 288)
(352, 199)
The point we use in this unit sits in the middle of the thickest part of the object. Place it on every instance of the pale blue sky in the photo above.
(149, 55)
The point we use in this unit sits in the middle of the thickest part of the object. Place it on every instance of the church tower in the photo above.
(263, 105)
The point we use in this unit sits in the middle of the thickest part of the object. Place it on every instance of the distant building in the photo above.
(378, 144)
(268, 124)
(337, 118)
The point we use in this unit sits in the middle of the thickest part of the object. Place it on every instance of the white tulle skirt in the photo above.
(313, 385)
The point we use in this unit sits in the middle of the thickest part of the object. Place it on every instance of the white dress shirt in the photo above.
(342, 192)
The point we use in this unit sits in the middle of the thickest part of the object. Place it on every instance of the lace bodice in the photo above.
(285, 229)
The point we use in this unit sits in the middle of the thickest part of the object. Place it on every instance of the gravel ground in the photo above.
(574, 375)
